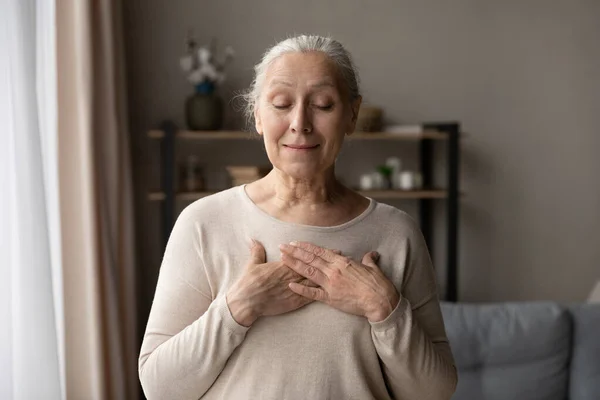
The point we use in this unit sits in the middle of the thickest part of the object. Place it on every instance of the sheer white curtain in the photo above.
(66, 227)
(31, 305)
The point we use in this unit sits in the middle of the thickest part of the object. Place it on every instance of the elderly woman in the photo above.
(294, 286)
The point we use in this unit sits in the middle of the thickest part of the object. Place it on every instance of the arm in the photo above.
(411, 342)
(188, 338)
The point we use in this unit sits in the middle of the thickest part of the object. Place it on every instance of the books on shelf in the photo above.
(404, 129)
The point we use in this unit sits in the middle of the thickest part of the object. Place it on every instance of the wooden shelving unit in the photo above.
(446, 133)
(238, 135)
(375, 194)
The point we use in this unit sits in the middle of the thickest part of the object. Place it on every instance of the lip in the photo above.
(301, 146)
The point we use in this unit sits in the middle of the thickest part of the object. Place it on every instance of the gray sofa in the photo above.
(525, 351)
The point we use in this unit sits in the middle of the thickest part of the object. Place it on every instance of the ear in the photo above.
(257, 122)
(354, 108)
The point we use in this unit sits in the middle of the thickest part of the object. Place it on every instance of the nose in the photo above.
(301, 121)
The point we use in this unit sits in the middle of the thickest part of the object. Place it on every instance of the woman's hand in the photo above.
(356, 288)
(263, 289)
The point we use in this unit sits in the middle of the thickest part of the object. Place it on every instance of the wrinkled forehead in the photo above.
(314, 70)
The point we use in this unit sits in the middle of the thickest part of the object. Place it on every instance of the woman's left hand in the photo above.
(353, 287)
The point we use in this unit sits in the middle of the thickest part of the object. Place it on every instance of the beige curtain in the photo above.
(96, 203)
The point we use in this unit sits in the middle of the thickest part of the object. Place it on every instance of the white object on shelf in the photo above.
(595, 294)
(366, 182)
(407, 180)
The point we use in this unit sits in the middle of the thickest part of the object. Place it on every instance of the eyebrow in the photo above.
(316, 85)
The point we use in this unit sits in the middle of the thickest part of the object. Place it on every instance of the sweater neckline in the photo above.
(248, 201)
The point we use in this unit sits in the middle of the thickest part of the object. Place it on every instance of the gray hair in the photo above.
(301, 44)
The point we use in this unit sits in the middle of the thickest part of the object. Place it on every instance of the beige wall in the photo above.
(522, 76)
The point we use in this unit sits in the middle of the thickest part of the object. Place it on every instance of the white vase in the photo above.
(407, 180)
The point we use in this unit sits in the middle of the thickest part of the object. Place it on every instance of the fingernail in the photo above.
(282, 246)
(294, 243)
(376, 254)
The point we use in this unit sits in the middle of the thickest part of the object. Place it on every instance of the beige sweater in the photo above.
(193, 348)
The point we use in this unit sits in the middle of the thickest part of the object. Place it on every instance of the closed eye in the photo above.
(281, 106)
(325, 108)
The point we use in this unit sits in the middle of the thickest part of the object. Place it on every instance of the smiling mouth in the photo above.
(301, 146)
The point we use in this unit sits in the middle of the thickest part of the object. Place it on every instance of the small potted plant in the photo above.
(204, 108)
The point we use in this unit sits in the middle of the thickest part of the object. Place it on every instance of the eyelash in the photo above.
(323, 108)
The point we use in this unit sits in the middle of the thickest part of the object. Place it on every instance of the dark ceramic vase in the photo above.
(204, 109)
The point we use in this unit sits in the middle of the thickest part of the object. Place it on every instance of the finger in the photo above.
(370, 259)
(308, 271)
(304, 256)
(308, 292)
(307, 282)
(318, 251)
(257, 253)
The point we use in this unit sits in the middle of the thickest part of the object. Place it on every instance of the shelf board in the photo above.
(232, 135)
(433, 135)
(208, 135)
(376, 194)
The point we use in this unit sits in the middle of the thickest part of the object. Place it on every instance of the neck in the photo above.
(289, 191)
(319, 201)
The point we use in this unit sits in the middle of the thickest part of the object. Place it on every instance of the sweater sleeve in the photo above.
(189, 337)
(411, 342)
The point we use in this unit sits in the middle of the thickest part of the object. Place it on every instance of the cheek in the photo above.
(335, 121)
(332, 148)
(272, 146)
(272, 136)
(333, 127)
(272, 122)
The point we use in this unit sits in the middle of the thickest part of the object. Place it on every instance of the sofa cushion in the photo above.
(585, 360)
(509, 350)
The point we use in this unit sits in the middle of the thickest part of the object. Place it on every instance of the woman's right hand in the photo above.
(263, 289)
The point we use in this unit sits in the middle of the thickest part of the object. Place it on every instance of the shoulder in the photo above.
(396, 228)
(394, 220)
(215, 207)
